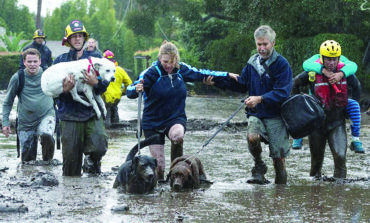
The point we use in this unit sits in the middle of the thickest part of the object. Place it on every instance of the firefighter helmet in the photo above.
(73, 27)
(39, 34)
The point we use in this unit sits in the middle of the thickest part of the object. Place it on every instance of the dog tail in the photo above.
(144, 143)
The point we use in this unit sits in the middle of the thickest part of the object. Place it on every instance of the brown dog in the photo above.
(186, 172)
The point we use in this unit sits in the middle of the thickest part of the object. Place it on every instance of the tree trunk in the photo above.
(38, 15)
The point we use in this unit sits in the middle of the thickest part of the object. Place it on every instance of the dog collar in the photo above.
(92, 66)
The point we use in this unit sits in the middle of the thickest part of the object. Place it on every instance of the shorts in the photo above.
(272, 132)
(162, 132)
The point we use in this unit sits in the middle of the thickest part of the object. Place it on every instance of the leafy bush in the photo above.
(10, 64)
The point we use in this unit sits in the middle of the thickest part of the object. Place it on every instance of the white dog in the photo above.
(52, 80)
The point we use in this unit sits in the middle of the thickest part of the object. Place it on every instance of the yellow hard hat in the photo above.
(73, 27)
(38, 34)
(330, 48)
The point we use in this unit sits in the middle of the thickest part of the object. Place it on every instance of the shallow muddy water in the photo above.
(227, 164)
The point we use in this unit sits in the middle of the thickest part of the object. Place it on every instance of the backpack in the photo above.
(21, 82)
(302, 115)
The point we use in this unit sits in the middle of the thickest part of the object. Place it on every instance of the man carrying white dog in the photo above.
(36, 115)
(81, 131)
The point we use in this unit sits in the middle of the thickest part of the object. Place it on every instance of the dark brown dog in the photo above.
(186, 172)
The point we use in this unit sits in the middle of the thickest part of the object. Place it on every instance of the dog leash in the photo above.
(223, 125)
(139, 122)
(91, 65)
(214, 134)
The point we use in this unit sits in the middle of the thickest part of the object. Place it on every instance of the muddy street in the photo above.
(39, 193)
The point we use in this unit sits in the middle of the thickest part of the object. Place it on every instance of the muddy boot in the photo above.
(259, 170)
(176, 150)
(280, 170)
(114, 114)
(316, 166)
(258, 174)
(48, 147)
(340, 172)
(29, 150)
(91, 165)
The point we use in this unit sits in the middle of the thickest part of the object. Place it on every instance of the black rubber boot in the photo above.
(91, 165)
(29, 150)
(258, 174)
(114, 114)
(259, 170)
(280, 170)
(176, 150)
(48, 147)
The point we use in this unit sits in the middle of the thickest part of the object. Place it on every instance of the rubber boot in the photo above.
(29, 150)
(114, 114)
(258, 174)
(48, 147)
(340, 172)
(176, 150)
(316, 166)
(91, 165)
(259, 170)
(280, 170)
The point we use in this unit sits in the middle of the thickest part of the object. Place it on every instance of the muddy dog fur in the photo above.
(137, 174)
(186, 172)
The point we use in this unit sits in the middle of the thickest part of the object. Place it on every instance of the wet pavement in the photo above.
(227, 164)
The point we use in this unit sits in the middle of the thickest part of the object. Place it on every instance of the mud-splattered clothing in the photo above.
(333, 132)
(272, 132)
(28, 140)
(36, 116)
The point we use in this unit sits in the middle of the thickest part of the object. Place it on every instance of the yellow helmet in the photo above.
(73, 27)
(330, 48)
(38, 34)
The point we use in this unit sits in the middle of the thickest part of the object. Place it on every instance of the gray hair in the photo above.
(265, 31)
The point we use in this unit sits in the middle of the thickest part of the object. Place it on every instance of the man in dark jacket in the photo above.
(268, 79)
(82, 132)
(39, 44)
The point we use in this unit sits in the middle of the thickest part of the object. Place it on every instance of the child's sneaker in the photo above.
(297, 143)
(356, 145)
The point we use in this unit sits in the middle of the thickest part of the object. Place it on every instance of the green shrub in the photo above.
(9, 65)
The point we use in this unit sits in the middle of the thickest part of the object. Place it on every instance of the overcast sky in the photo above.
(47, 5)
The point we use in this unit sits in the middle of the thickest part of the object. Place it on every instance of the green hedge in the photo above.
(9, 65)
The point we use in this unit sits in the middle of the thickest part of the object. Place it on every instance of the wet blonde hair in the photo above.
(168, 48)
